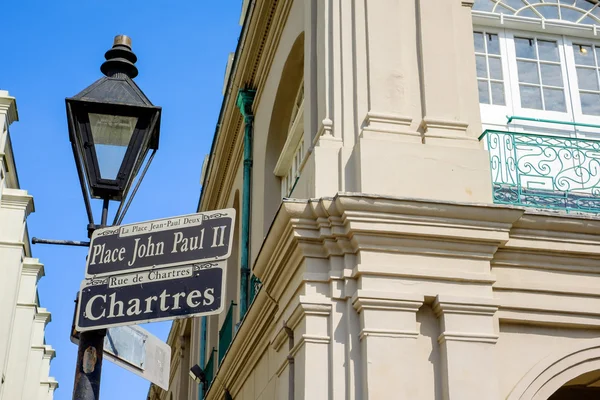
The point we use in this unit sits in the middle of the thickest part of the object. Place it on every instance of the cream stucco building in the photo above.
(424, 204)
(24, 355)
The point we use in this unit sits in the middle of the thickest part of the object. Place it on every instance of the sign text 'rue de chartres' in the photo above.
(156, 270)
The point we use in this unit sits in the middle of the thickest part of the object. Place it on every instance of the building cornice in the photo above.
(8, 106)
(349, 223)
(33, 267)
(43, 315)
(17, 199)
(252, 64)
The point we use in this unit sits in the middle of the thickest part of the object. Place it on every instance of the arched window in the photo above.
(538, 59)
(289, 162)
(578, 11)
(285, 146)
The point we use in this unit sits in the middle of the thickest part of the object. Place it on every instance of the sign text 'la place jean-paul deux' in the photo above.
(156, 270)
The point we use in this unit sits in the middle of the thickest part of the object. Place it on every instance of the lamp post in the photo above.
(112, 128)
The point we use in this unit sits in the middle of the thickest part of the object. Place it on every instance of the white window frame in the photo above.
(494, 116)
(288, 167)
(514, 82)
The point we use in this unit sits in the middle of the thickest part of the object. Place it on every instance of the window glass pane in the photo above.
(583, 54)
(527, 12)
(569, 14)
(498, 94)
(586, 78)
(516, 4)
(548, 50)
(479, 43)
(598, 55)
(530, 97)
(495, 68)
(483, 5)
(493, 44)
(584, 4)
(549, 11)
(588, 21)
(554, 99)
(528, 72)
(481, 67)
(551, 75)
(590, 103)
(524, 48)
(484, 95)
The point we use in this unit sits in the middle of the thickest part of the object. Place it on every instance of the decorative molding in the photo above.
(8, 106)
(444, 304)
(301, 311)
(33, 267)
(49, 352)
(388, 333)
(17, 199)
(559, 367)
(467, 337)
(351, 222)
(445, 124)
(379, 122)
(370, 300)
(10, 244)
(43, 315)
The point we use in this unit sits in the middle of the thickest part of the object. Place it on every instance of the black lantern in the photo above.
(112, 126)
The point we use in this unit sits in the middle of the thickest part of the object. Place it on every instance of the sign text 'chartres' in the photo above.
(150, 296)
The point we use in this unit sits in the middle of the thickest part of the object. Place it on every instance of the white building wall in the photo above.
(395, 274)
(24, 356)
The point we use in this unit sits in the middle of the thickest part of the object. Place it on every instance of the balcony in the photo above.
(542, 171)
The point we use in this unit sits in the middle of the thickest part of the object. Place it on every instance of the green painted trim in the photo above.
(202, 363)
(244, 102)
(549, 121)
(529, 170)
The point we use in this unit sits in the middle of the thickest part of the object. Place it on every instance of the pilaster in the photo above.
(309, 323)
(388, 334)
(388, 95)
(467, 340)
(450, 106)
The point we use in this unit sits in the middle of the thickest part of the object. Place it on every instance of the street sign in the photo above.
(150, 296)
(187, 239)
(137, 350)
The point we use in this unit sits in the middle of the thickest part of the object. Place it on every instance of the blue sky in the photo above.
(53, 50)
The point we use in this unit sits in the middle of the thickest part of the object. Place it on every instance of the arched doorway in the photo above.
(583, 387)
(562, 374)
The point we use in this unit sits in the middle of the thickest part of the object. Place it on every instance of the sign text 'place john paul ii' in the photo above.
(151, 296)
(161, 243)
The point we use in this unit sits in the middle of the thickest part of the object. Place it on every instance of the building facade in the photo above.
(24, 355)
(417, 186)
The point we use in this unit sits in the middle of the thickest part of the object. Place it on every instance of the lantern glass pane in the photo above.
(111, 135)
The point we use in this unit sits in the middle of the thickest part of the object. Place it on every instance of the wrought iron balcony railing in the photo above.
(226, 332)
(255, 285)
(540, 171)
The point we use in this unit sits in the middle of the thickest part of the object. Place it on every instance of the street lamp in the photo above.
(112, 128)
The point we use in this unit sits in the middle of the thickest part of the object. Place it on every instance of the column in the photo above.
(467, 341)
(388, 334)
